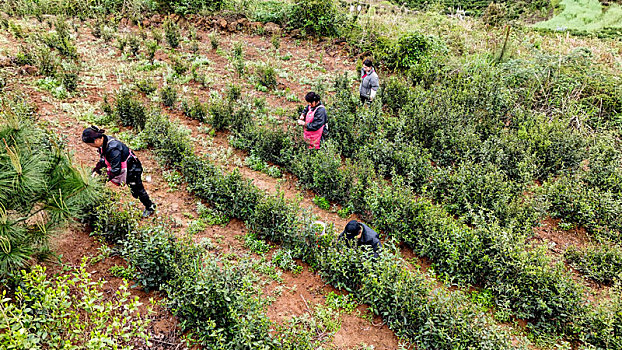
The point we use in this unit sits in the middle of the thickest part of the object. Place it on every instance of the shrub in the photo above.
(284, 259)
(394, 93)
(602, 263)
(69, 75)
(195, 110)
(168, 95)
(172, 33)
(482, 193)
(266, 75)
(147, 86)
(601, 327)
(270, 11)
(214, 40)
(180, 67)
(113, 221)
(50, 312)
(410, 49)
(399, 158)
(186, 7)
(315, 17)
(153, 253)
(134, 42)
(321, 171)
(230, 114)
(172, 143)
(129, 109)
(569, 199)
(216, 300)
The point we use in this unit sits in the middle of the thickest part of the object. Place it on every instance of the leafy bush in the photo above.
(321, 171)
(69, 75)
(153, 254)
(218, 303)
(113, 221)
(172, 33)
(482, 192)
(168, 95)
(270, 11)
(321, 202)
(409, 50)
(186, 7)
(315, 17)
(129, 109)
(602, 263)
(601, 327)
(569, 199)
(284, 259)
(50, 312)
(146, 86)
(172, 143)
(267, 75)
(228, 113)
(195, 110)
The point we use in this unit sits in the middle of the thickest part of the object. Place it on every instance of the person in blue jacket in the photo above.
(122, 166)
(363, 234)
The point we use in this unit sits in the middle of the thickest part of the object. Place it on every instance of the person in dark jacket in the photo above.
(314, 120)
(369, 82)
(121, 164)
(363, 234)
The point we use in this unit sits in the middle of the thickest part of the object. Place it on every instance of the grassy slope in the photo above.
(584, 15)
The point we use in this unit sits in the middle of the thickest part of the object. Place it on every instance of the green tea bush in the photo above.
(316, 17)
(602, 263)
(70, 310)
(399, 157)
(284, 259)
(274, 218)
(475, 191)
(395, 94)
(172, 144)
(113, 221)
(195, 110)
(497, 259)
(255, 245)
(217, 302)
(146, 86)
(168, 95)
(172, 33)
(266, 75)
(69, 75)
(229, 113)
(601, 327)
(270, 11)
(569, 199)
(321, 171)
(271, 143)
(61, 40)
(129, 109)
(186, 7)
(409, 50)
(153, 254)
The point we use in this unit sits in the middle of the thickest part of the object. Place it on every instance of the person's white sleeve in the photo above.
(372, 95)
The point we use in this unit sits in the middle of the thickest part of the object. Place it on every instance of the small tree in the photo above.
(39, 187)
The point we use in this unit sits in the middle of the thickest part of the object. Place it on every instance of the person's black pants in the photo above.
(135, 182)
(364, 100)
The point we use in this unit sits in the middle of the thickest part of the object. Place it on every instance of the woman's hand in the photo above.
(301, 122)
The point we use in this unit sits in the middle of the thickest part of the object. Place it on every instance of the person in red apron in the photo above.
(121, 164)
(314, 120)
